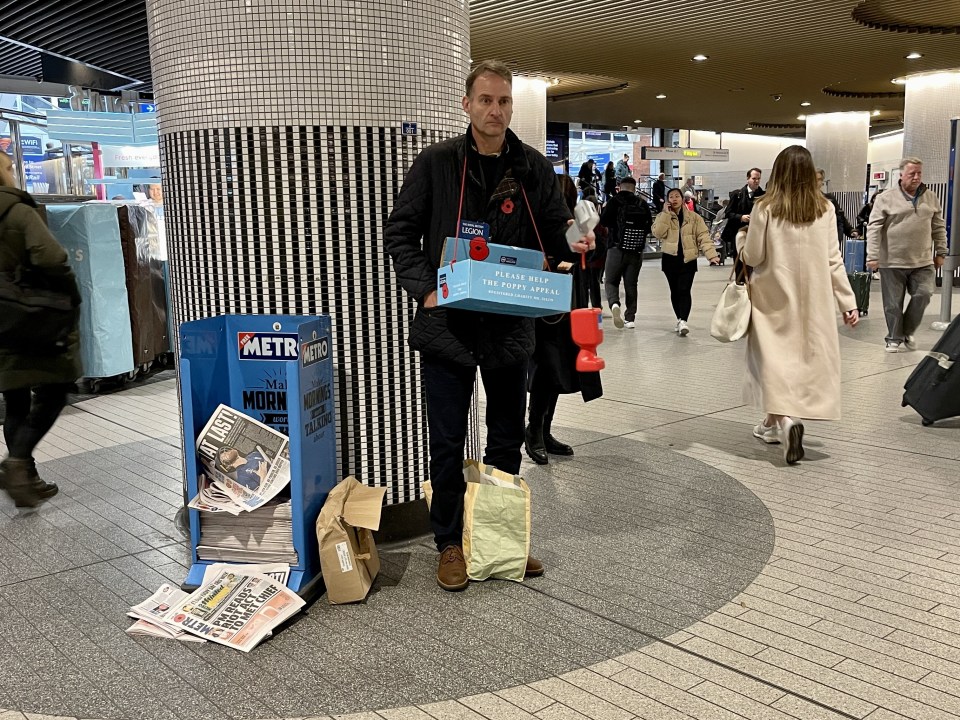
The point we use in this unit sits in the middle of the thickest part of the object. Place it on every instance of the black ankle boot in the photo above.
(23, 484)
(554, 446)
(533, 444)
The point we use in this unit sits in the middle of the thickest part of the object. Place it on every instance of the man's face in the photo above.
(753, 180)
(490, 106)
(156, 193)
(911, 177)
(819, 179)
(661, 177)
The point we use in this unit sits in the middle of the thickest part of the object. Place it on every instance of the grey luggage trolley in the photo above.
(279, 370)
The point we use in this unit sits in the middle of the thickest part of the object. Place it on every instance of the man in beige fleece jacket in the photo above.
(906, 240)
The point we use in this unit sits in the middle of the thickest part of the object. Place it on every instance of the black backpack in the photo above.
(632, 224)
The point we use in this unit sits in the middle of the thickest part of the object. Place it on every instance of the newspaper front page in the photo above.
(152, 615)
(235, 609)
(212, 499)
(246, 459)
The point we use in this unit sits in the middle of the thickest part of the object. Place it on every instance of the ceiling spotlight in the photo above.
(555, 81)
(661, 96)
(805, 103)
(637, 122)
(899, 81)
(748, 128)
(801, 117)
(875, 113)
(913, 56)
(700, 58)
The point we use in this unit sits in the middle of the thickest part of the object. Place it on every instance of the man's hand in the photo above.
(565, 266)
(430, 301)
(855, 235)
(851, 317)
(873, 265)
(715, 260)
(745, 218)
(938, 260)
(586, 243)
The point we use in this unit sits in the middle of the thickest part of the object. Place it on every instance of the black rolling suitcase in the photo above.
(933, 388)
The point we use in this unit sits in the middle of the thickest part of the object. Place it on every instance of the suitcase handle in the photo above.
(943, 360)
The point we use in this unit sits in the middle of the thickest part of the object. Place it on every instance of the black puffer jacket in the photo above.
(426, 209)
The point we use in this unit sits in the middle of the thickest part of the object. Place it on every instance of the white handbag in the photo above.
(731, 319)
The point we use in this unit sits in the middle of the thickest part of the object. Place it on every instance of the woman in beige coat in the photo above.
(797, 285)
(682, 234)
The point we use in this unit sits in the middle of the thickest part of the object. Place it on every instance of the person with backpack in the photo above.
(34, 380)
(683, 235)
(628, 220)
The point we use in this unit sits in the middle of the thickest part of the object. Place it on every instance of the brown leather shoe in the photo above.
(534, 567)
(452, 569)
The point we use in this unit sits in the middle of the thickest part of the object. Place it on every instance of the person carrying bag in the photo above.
(39, 338)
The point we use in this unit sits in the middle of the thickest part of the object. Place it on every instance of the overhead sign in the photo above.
(672, 153)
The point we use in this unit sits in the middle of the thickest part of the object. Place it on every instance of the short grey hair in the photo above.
(910, 161)
(494, 67)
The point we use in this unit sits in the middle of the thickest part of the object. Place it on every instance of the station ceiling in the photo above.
(612, 58)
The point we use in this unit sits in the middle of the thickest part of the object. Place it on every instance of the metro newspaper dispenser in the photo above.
(509, 281)
(279, 370)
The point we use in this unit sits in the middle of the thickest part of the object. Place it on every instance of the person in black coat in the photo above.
(739, 209)
(553, 371)
(485, 175)
(659, 193)
(609, 181)
(844, 228)
(587, 174)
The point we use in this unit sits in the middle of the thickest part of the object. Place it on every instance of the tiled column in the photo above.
(932, 100)
(838, 143)
(530, 111)
(282, 152)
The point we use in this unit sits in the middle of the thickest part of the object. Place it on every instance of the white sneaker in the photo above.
(911, 342)
(617, 316)
(770, 434)
(629, 324)
(892, 346)
(792, 433)
(682, 328)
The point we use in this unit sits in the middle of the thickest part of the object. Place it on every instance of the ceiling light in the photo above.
(555, 81)
(913, 56)
(700, 58)
(899, 81)
(637, 122)
(748, 128)
(805, 103)
(661, 96)
(875, 113)
(801, 117)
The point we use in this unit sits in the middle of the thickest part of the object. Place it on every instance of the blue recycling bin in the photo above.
(277, 369)
(90, 234)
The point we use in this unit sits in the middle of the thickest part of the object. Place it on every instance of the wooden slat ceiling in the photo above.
(758, 50)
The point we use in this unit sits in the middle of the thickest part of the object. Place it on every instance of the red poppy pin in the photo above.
(507, 206)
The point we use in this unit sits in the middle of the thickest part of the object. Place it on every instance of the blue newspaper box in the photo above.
(509, 281)
(277, 369)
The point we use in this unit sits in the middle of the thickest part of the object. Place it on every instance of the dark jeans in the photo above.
(593, 281)
(681, 282)
(29, 418)
(448, 388)
(625, 266)
(895, 283)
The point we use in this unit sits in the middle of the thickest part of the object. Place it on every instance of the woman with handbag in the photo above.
(553, 367)
(34, 377)
(797, 284)
(683, 235)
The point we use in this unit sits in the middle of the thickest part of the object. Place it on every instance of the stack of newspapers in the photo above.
(245, 464)
(236, 605)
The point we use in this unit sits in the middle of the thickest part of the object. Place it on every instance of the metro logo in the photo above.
(267, 346)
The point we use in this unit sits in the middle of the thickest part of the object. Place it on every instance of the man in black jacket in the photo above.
(485, 175)
(739, 209)
(628, 220)
(659, 193)
(844, 228)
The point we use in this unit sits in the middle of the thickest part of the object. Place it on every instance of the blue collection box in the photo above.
(855, 257)
(510, 281)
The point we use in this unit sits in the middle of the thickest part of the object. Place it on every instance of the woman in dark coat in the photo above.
(609, 181)
(553, 368)
(34, 383)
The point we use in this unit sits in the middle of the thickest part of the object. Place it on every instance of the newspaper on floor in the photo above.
(152, 614)
(212, 499)
(246, 459)
(235, 609)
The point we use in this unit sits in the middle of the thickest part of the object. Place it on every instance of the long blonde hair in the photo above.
(793, 194)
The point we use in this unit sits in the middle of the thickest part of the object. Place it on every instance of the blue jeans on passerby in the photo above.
(448, 388)
(625, 265)
(895, 283)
